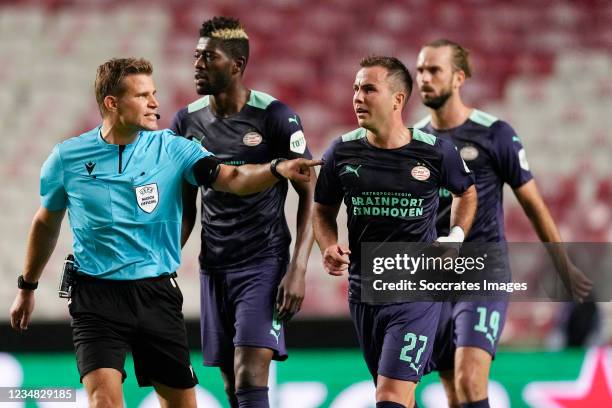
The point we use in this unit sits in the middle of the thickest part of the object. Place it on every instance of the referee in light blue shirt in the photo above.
(121, 183)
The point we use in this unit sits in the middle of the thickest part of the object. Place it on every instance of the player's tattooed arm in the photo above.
(335, 256)
(536, 210)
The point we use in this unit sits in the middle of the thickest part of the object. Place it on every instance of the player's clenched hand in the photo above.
(21, 310)
(290, 293)
(297, 169)
(336, 259)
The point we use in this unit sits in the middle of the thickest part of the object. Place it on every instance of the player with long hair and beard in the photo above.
(465, 347)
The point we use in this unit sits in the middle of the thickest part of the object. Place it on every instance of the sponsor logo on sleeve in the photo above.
(523, 160)
(147, 197)
(297, 142)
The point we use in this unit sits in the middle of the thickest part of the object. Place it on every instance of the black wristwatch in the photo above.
(22, 284)
(273, 165)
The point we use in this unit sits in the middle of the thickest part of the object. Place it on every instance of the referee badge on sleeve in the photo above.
(147, 197)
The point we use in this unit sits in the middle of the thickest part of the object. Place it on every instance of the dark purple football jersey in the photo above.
(238, 229)
(495, 154)
(391, 195)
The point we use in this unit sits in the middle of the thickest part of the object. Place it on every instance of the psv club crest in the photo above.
(420, 173)
(468, 153)
(147, 197)
(252, 139)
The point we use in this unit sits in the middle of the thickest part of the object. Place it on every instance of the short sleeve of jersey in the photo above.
(329, 189)
(177, 122)
(511, 156)
(455, 175)
(286, 127)
(185, 154)
(52, 192)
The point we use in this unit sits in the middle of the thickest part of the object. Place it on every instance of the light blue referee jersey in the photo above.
(124, 202)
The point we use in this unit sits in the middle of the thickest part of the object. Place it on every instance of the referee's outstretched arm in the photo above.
(42, 239)
(251, 178)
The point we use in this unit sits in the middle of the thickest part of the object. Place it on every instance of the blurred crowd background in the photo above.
(544, 66)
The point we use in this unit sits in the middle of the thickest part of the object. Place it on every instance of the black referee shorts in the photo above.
(110, 318)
